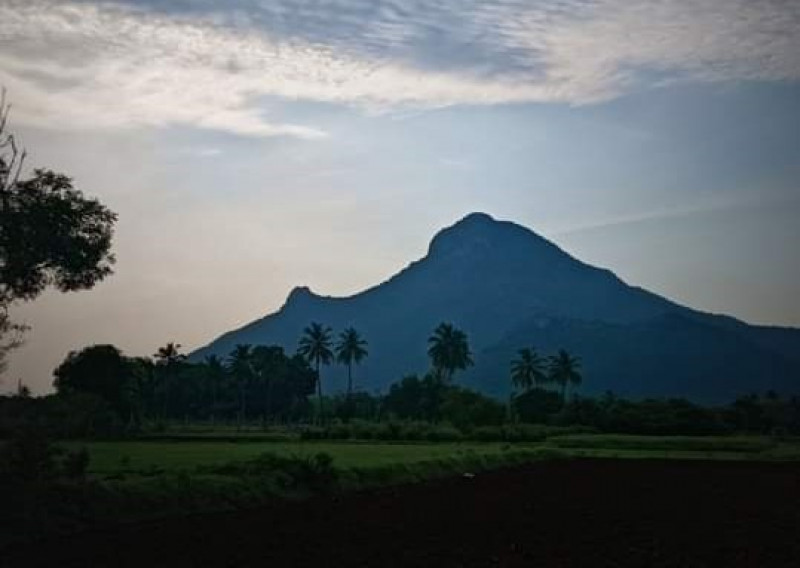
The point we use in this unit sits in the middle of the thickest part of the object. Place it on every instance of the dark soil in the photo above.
(560, 513)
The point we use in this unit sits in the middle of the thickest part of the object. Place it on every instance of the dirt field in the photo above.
(570, 513)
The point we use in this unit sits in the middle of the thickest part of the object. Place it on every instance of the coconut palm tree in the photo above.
(449, 351)
(315, 347)
(526, 372)
(564, 370)
(350, 349)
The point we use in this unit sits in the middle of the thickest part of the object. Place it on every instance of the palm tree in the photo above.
(169, 358)
(564, 369)
(240, 365)
(315, 347)
(449, 351)
(526, 372)
(350, 349)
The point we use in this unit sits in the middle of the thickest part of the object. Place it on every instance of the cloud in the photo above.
(214, 65)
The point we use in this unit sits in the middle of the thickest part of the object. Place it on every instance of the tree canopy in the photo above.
(351, 348)
(316, 347)
(449, 351)
(50, 234)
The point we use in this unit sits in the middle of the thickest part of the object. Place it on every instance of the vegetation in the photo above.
(50, 235)
(449, 351)
(315, 346)
(350, 349)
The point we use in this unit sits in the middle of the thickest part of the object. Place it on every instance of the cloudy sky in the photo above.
(251, 146)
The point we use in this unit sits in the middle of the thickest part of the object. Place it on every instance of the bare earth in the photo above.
(562, 513)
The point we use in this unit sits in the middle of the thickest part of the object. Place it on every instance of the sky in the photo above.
(253, 146)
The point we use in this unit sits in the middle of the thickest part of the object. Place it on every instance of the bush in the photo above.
(28, 456)
(313, 473)
(385, 431)
(467, 409)
(537, 406)
(75, 464)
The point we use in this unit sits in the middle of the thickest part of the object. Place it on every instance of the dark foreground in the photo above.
(570, 513)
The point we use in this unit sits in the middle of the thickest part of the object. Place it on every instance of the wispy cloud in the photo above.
(212, 65)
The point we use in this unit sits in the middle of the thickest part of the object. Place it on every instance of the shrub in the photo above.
(313, 473)
(75, 464)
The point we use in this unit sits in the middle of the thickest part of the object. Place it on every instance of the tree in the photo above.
(416, 398)
(350, 349)
(564, 370)
(270, 366)
(449, 351)
(50, 234)
(100, 370)
(215, 376)
(315, 346)
(240, 364)
(168, 359)
(526, 372)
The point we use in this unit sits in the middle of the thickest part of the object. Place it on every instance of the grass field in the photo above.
(111, 458)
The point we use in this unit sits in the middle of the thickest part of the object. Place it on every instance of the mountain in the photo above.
(507, 287)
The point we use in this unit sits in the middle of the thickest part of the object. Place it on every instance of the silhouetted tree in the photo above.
(240, 364)
(449, 351)
(270, 367)
(564, 370)
(100, 370)
(168, 360)
(50, 235)
(140, 389)
(215, 374)
(527, 371)
(315, 346)
(350, 349)
(416, 398)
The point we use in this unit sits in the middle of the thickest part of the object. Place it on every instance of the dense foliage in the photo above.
(50, 235)
(102, 392)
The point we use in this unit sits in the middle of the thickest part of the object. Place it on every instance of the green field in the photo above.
(113, 457)
(174, 454)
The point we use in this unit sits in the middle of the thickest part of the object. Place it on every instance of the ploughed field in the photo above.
(573, 512)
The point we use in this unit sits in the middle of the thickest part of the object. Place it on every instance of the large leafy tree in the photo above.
(315, 347)
(50, 234)
(416, 398)
(564, 370)
(351, 348)
(101, 370)
(449, 351)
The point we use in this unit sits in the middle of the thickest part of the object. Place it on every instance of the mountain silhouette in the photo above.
(508, 288)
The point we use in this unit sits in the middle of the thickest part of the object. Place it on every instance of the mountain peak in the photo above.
(300, 292)
(477, 217)
(481, 232)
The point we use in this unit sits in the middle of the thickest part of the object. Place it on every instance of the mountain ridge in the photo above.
(490, 277)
